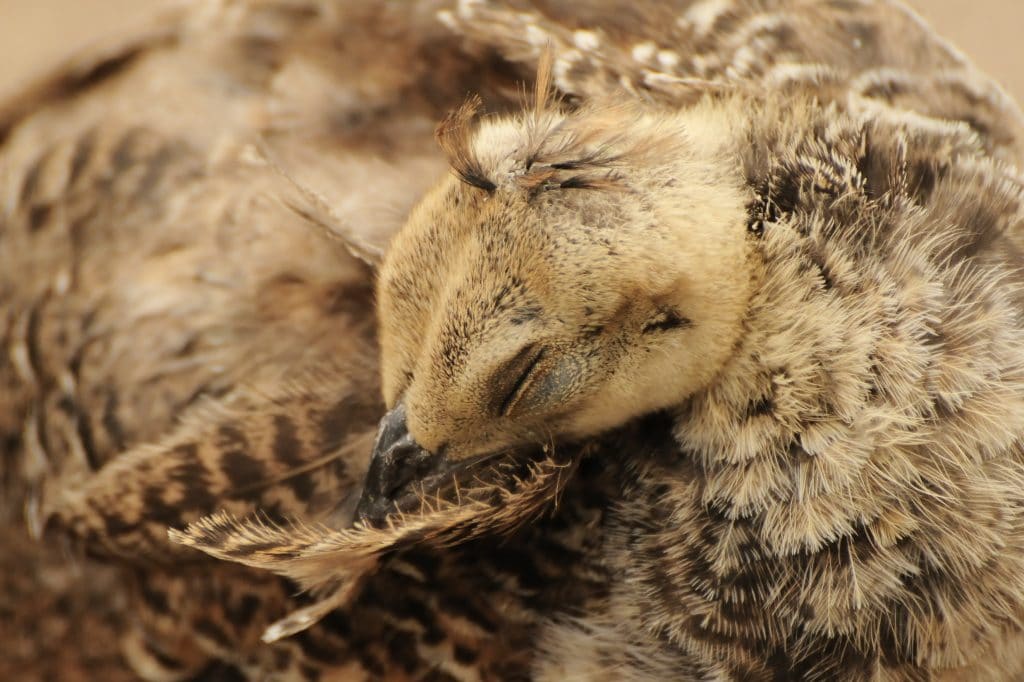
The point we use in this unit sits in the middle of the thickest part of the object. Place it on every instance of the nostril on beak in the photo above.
(397, 462)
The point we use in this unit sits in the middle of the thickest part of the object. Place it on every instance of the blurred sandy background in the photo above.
(34, 33)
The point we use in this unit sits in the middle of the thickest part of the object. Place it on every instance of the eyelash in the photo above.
(521, 382)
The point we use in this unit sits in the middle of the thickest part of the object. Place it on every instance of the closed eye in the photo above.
(514, 376)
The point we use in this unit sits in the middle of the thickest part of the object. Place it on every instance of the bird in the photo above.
(703, 363)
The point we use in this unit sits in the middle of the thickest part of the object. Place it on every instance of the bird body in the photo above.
(704, 365)
(812, 503)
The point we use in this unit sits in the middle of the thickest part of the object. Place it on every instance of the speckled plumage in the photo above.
(187, 331)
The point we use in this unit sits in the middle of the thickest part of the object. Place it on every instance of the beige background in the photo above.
(34, 33)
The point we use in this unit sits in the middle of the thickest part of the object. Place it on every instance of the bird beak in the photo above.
(397, 462)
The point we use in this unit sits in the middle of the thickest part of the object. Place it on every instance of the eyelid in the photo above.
(521, 368)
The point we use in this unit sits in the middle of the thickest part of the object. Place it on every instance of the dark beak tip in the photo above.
(371, 512)
(396, 462)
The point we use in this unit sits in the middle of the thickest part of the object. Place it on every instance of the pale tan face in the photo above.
(521, 316)
(582, 270)
(502, 329)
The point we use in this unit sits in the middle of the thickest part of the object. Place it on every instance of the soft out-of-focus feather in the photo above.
(676, 51)
(296, 451)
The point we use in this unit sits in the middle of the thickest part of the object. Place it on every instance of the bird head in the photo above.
(575, 271)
